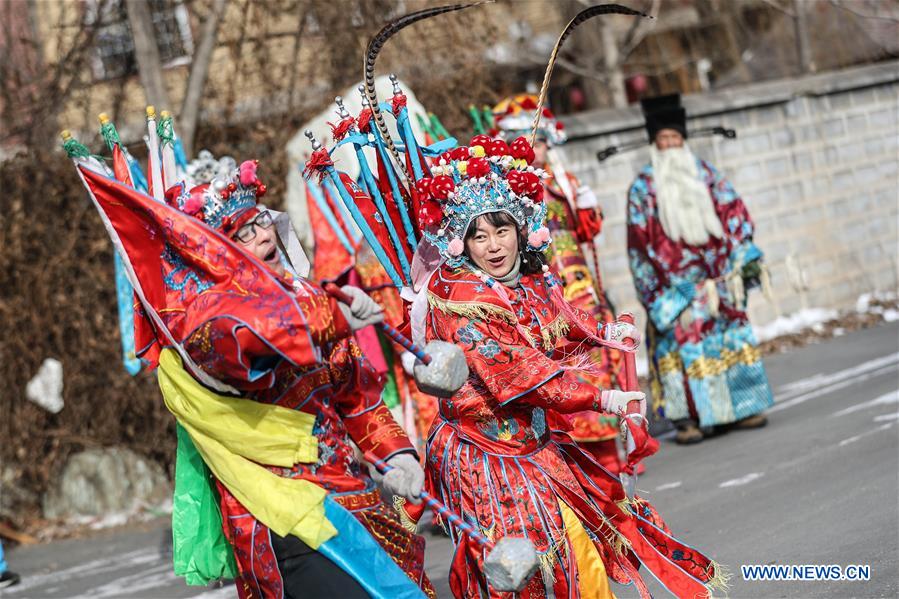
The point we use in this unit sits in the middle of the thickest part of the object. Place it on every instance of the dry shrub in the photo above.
(57, 299)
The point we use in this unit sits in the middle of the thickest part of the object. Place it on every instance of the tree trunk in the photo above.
(196, 81)
(147, 53)
(612, 66)
(803, 48)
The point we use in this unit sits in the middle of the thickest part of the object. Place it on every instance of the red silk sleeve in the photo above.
(358, 394)
(236, 349)
(510, 368)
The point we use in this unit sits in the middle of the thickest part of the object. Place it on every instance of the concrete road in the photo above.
(819, 485)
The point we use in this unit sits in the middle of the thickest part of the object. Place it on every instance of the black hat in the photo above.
(664, 112)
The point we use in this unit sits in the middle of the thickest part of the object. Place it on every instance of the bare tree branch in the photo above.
(858, 13)
(146, 52)
(196, 81)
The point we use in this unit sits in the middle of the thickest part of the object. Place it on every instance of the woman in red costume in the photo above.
(499, 453)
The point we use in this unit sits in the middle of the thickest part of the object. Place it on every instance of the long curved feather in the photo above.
(371, 55)
(587, 13)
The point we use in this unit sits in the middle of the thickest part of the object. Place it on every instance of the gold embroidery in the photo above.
(704, 366)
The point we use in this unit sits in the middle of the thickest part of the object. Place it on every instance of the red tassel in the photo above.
(399, 102)
(363, 122)
(339, 131)
(317, 164)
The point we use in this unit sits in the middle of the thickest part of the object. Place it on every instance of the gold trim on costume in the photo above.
(705, 366)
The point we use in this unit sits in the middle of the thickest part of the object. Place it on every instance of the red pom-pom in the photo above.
(193, 205)
(231, 187)
(248, 172)
(260, 190)
(480, 140)
(423, 188)
(497, 147)
(521, 149)
(559, 126)
(460, 153)
(225, 194)
(430, 214)
(526, 184)
(478, 167)
(441, 186)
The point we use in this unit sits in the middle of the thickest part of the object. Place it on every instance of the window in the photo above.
(114, 55)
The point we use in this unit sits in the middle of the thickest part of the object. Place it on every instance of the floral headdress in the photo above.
(514, 116)
(490, 175)
(226, 201)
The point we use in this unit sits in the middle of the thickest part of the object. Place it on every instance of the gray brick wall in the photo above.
(817, 162)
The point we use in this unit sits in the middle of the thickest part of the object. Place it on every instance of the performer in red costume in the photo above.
(215, 284)
(574, 219)
(499, 452)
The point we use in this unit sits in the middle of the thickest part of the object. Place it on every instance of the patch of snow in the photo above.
(863, 303)
(891, 315)
(794, 323)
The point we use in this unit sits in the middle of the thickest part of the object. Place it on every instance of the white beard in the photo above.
(686, 210)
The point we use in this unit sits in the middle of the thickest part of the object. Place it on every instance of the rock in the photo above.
(446, 373)
(13, 496)
(103, 481)
(45, 388)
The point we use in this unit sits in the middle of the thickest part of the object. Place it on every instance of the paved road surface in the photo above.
(819, 485)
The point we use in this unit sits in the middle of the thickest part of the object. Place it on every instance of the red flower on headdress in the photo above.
(520, 148)
(457, 154)
(480, 140)
(497, 147)
(526, 184)
(478, 167)
(441, 186)
(423, 188)
(430, 214)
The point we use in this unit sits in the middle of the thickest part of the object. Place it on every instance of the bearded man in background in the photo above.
(692, 258)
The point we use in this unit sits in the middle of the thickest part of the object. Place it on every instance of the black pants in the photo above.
(308, 574)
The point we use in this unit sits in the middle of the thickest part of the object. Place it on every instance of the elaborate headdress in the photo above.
(489, 176)
(205, 167)
(469, 181)
(514, 116)
(227, 201)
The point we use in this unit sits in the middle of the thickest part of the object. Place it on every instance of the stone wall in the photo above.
(815, 160)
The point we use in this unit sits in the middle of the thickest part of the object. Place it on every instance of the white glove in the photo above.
(615, 402)
(406, 478)
(618, 331)
(363, 312)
